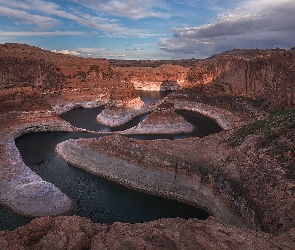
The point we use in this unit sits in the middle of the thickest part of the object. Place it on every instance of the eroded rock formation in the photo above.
(269, 74)
(25, 111)
(244, 176)
(23, 66)
(80, 233)
(164, 77)
(163, 120)
(123, 105)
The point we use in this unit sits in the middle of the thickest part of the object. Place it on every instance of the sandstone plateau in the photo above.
(243, 176)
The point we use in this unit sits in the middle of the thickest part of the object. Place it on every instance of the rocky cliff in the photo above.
(269, 75)
(23, 66)
(163, 120)
(247, 172)
(164, 77)
(168, 234)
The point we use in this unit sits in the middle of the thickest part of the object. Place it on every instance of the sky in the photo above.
(148, 29)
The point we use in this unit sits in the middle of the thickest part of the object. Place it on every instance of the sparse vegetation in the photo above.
(275, 135)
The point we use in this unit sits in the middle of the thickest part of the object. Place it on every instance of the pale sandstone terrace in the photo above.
(243, 176)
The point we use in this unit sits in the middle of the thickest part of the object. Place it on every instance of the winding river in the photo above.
(94, 197)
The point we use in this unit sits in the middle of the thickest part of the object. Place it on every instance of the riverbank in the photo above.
(202, 172)
(159, 177)
(21, 189)
(13, 171)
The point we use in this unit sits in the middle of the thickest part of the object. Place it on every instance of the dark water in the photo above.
(152, 96)
(94, 197)
(99, 199)
(84, 118)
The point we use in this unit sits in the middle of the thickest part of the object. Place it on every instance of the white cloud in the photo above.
(43, 22)
(132, 9)
(259, 23)
(49, 15)
(126, 54)
(40, 33)
(67, 52)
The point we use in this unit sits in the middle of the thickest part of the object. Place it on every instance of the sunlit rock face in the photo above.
(123, 105)
(124, 95)
(164, 77)
(268, 73)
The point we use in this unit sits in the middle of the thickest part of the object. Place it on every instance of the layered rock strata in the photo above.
(163, 120)
(268, 74)
(229, 112)
(86, 154)
(164, 77)
(22, 190)
(25, 110)
(202, 172)
(80, 233)
(123, 105)
(24, 66)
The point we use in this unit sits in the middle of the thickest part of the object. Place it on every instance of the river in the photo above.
(96, 198)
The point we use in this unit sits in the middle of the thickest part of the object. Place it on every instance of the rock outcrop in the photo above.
(143, 170)
(164, 120)
(22, 190)
(270, 74)
(23, 66)
(124, 104)
(164, 77)
(80, 233)
(204, 172)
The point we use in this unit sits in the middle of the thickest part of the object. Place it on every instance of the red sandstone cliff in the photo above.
(268, 74)
(23, 66)
(164, 77)
(271, 75)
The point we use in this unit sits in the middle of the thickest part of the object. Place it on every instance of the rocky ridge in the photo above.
(269, 74)
(80, 233)
(22, 190)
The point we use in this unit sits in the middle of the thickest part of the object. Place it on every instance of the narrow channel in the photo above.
(96, 198)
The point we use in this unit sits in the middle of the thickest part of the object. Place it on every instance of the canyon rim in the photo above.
(244, 176)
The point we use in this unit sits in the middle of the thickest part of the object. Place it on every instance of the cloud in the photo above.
(40, 33)
(131, 9)
(27, 18)
(260, 23)
(51, 14)
(67, 52)
(126, 54)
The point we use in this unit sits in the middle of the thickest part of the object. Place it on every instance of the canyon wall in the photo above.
(270, 75)
(267, 74)
(27, 66)
(164, 77)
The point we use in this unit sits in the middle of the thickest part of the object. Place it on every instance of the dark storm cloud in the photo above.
(254, 24)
